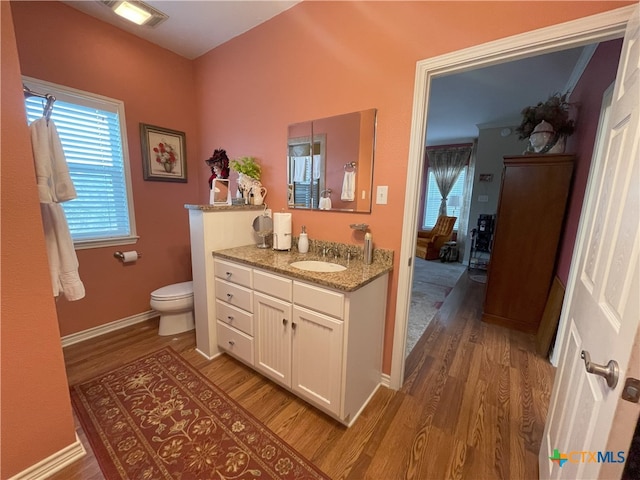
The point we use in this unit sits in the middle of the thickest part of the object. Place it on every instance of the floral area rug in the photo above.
(432, 282)
(159, 418)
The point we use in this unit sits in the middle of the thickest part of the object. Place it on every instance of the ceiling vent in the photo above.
(143, 14)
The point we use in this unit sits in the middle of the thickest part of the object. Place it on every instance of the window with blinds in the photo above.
(433, 199)
(91, 130)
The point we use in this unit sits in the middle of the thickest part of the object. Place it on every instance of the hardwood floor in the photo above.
(473, 405)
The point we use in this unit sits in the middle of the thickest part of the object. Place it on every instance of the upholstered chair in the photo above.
(429, 242)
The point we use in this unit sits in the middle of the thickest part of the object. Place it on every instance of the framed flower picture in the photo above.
(164, 156)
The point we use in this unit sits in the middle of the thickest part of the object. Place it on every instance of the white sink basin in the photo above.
(318, 266)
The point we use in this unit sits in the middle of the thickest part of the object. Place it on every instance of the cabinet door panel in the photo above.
(317, 358)
(273, 338)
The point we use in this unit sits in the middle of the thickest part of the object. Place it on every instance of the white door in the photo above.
(603, 294)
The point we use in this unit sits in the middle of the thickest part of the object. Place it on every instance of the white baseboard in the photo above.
(56, 462)
(207, 356)
(107, 327)
(385, 380)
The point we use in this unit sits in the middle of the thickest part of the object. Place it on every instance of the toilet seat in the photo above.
(176, 291)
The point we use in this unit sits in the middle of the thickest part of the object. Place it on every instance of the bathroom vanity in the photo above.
(320, 335)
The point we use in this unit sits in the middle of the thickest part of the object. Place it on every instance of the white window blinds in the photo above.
(433, 199)
(92, 139)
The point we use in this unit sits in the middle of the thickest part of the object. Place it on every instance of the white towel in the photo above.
(324, 203)
(52, 172)
(63, 262)
(348, 187)
(54, 186)
(316, 167)
(300, 168)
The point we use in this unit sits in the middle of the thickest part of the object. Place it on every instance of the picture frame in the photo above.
(220, 193)
(164, 154)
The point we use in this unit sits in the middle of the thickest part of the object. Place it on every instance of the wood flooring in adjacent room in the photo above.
(473, 405)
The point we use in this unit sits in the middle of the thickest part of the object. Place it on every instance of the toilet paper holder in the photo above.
(120, 255)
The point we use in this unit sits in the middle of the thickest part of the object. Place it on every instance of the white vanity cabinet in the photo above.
(322, 344)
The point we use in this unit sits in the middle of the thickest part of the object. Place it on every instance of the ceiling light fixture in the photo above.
(133, 13)
(136, 11)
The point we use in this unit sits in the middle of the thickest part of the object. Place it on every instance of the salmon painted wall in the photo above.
(156, 87)
(320, 59)
(587, 95)
(34, 392)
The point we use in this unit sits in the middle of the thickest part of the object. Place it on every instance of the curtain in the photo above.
(463, 221)
(446, 164)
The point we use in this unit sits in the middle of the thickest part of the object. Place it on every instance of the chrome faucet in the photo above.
(326, 250)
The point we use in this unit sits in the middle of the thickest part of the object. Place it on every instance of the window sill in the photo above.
(107, 242)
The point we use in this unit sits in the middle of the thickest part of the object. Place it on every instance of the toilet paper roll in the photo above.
(130, 256)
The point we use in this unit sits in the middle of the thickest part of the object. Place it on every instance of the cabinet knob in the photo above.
(284, 321)
(293, 325)
(232, 343)
(228, 274)
(230, 318)
(229, 296)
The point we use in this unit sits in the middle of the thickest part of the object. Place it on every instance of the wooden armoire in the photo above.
(529, 221)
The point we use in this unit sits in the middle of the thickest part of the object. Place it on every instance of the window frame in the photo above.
(88, 99)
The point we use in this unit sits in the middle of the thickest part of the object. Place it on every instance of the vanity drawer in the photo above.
(235, 317)
(235, 342)
(273, 285)
(318, 299)
(234, 295)
(232, 272)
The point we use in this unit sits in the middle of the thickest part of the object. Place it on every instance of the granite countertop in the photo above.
(217, 208)
(355, 276)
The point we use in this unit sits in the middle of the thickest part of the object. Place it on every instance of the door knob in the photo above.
(609, 371)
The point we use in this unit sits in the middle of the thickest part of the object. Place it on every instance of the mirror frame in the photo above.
(222, 199)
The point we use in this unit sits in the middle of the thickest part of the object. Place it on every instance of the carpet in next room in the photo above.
(432, 282)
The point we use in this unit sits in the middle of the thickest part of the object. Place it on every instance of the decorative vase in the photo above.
(544, 139)
(168, 167)
(257, 193)
(245, 184)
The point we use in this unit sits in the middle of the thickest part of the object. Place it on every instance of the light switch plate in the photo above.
(381, 194)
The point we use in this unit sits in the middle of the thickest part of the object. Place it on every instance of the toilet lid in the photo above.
(175, 291)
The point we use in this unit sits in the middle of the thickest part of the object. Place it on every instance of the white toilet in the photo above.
(174, 303)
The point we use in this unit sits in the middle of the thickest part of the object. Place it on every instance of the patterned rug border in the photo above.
(101, 451)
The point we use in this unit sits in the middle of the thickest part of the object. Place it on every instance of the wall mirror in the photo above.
(330, 162)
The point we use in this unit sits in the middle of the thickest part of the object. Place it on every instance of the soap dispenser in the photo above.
(303, 241)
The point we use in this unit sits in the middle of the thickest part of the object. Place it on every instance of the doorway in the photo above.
(580, 32)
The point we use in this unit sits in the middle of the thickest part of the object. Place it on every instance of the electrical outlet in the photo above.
(381, 194)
